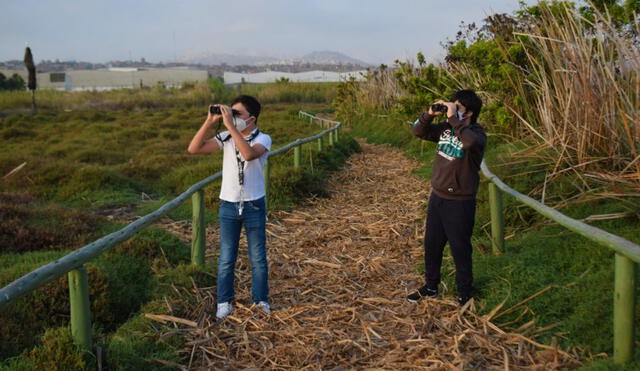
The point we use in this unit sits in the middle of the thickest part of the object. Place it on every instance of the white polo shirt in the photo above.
(253, 176)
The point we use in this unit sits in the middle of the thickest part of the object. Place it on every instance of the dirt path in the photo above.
(340, 269)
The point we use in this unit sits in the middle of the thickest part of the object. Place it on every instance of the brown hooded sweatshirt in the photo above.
(459, 154)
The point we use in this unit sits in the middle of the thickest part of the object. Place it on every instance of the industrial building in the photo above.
(113, 78)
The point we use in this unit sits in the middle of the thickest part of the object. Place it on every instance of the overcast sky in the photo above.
(374, 31)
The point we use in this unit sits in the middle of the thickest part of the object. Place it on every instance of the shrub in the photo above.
(29, 225)
(55, 352)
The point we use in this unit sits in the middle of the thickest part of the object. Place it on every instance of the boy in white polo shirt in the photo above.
(241, 195)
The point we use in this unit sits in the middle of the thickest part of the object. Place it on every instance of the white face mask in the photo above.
(239, 123)
(460, 115)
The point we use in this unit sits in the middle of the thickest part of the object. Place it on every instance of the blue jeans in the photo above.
(253, 219)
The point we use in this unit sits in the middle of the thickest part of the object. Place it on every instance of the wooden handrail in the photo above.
(626, 258)
(616, 243)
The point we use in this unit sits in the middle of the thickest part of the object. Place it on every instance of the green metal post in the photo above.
(337, 131)
(297, 156)
(198, 236)
(497, 218)
(320, 144)
(623, 308)
(266, 171)
(80, 309)
(330, 138)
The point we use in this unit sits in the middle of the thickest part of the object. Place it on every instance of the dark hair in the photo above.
(470, 100)
(250, 103)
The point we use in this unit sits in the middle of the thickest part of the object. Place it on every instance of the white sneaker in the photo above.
(264, 306)
(224, 309)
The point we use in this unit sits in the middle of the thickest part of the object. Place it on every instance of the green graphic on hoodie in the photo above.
(449, 146)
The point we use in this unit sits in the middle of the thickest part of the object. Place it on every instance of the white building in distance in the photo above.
(113, 78)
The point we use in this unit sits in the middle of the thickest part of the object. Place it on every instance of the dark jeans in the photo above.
(231, 222)
(449, 220)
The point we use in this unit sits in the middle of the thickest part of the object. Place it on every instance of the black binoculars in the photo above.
(215, 110)
(439, 107)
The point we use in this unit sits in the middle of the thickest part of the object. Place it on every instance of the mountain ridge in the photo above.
(315, 57)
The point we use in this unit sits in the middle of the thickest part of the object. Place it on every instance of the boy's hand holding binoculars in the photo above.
(214, 114)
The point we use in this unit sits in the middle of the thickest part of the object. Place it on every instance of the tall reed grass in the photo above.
(586, 93)
(379, 92)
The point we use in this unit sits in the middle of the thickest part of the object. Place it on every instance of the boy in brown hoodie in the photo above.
(454, 182)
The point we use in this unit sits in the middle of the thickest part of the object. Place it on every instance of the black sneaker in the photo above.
(422, 292)
(462, 300)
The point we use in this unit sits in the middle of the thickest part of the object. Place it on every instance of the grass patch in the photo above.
(132, 348)
(30, 225)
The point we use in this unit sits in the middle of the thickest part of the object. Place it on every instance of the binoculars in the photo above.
(215, 110)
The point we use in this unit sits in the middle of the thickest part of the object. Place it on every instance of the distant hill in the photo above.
(329, 57)
(318, 57)
(230, 59)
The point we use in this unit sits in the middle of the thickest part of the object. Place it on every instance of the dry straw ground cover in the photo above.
(340, 269)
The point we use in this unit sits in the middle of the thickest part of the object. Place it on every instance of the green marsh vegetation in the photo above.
(560, 86)
(86, 156)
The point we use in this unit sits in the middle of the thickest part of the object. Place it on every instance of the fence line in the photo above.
(626, 258)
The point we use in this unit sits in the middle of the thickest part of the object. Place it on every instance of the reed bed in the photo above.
(585, 75)
(380, 90)
(339, 272)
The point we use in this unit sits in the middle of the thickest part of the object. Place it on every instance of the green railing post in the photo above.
(337, 131)
(623, 309)
(497, 218)
(266, 171)
(198, 235)
(297, 156)
(320, 144)
(330, 138)
(80, 308)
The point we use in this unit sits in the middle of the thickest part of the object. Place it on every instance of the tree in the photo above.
(31, 67)
(15, 82)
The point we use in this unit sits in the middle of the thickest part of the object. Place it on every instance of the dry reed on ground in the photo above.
(339, 272)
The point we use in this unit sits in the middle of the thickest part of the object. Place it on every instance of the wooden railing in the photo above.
(72, 264)
(626, 258)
